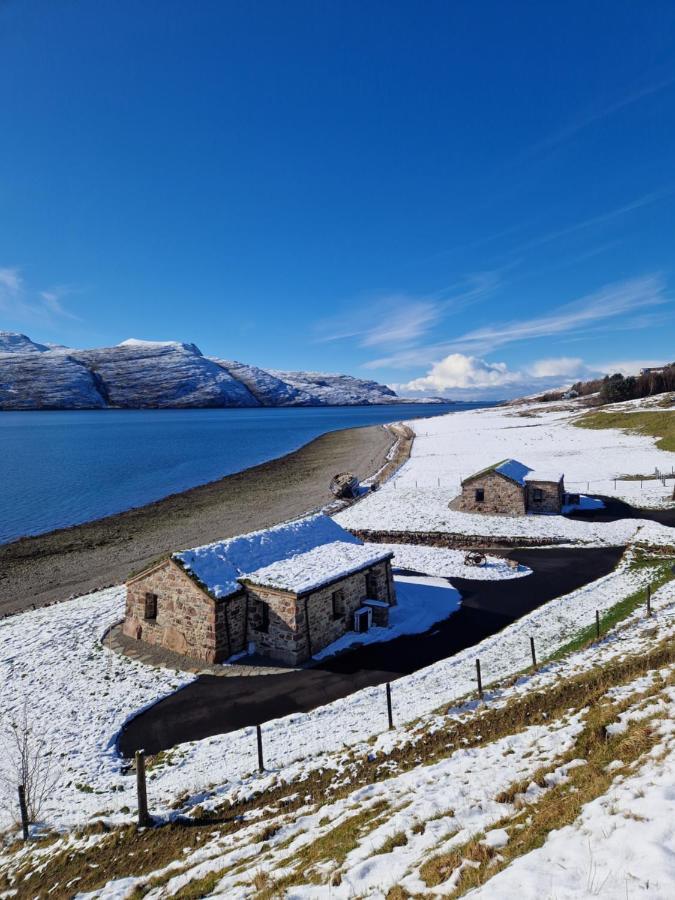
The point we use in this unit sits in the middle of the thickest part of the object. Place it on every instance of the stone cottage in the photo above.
(511, 488)
(285, 593)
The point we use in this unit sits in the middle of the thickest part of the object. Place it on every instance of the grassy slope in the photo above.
(123, 851)
(659, 425)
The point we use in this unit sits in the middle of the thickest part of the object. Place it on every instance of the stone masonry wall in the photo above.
(185, 620)
(287, 636)
(324, 629)
(502, 496)
(453, 540)
(552, 497)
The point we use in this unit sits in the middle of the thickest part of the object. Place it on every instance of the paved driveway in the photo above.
(212, 705)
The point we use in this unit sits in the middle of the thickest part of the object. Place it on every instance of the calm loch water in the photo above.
(63, 468)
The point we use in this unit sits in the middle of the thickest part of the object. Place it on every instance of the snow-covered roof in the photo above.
(544, 475)
(509, 468)
(218, 566)
(308, 571)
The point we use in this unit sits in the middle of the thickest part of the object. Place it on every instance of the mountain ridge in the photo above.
(137, 374)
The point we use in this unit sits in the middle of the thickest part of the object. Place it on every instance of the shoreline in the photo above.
(46, 568)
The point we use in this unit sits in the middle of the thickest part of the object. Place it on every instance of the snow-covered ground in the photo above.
(449, 448)
(80, 694)
(450, 563)
(619, 846)
(422, 601)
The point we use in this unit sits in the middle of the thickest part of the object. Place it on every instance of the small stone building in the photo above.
(284, 593)
(511, 488)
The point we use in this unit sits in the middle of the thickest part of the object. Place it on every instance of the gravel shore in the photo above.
(73, 561)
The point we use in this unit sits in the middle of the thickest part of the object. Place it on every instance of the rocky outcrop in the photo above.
(146, 374)
(47, 380)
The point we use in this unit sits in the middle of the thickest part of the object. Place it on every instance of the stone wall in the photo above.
(185, 621)
(453, 540)
(502, 496)
(551, 496)
(324, 629)
(288, 637)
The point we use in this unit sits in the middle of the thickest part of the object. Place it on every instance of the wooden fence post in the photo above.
(534, 655)
(141, 790)
(261, 762)
(23, 808)
(649, 599)
(597, 625)
(389, 710)
(480, 680)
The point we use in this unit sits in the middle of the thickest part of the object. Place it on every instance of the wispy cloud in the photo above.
(401, 320)
(20, 304)
(594, 311)
(597, 114)
(593, 221)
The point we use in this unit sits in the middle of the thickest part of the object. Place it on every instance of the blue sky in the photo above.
(467, 199)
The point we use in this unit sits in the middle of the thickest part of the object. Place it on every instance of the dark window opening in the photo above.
(480, 495)
(537, 495)
(371, 586)
(151, 606)
(264, 617)
(338, 599)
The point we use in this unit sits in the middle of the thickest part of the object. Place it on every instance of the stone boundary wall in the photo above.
(454, 541)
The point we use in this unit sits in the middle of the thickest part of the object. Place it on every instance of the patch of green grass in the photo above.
(659, 425)
(623, 609)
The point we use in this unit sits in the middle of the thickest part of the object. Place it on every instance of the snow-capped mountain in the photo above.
(161, 374)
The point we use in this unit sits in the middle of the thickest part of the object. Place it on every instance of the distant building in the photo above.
(288, 591)
(511, 488)
(654, 370)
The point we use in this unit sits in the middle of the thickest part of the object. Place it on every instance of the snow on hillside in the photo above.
(81, 694)
(449, 448)
(619, 845)
(140, 373)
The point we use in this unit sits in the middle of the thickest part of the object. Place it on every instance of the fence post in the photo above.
(389, 710)
(261, 762)
(534, 655)
(23, 808)
(597, 625)
(649, 599)
(480, 680)
(141, 790)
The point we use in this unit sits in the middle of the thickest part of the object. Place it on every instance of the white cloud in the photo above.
(401, 320)
(460, 371)
(10, 280)
(404, 324)
(590, 313)
(21, 305)
(558, 367)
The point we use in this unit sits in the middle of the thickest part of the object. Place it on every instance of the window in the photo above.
(480, 495)
(371, 585)
(537, 495)
(151, 606)
(338, 598)
(264, 617)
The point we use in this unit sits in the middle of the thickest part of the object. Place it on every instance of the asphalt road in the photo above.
(213, 705)
(618, 509)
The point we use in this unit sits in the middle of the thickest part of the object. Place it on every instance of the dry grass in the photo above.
(559, 806)
(127, 852)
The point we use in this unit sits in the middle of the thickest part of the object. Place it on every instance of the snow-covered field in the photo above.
(619, 846)
(79, 695)
(449, 448)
